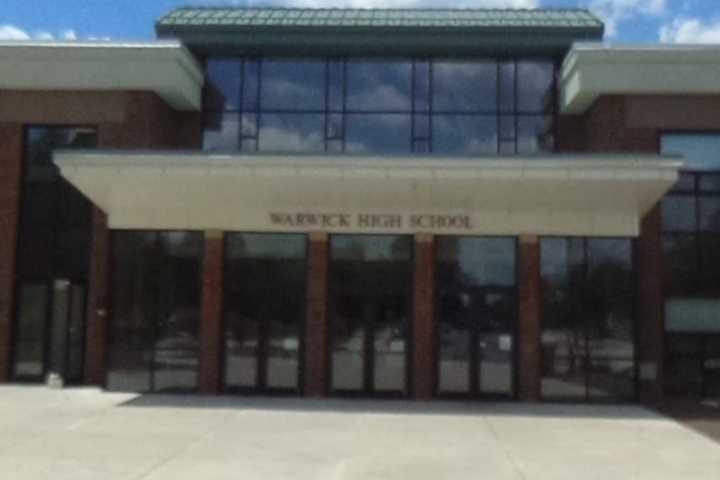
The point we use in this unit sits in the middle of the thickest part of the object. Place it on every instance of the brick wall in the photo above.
(211, 332)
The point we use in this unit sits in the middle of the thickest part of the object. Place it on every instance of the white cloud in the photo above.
(69, 35)
(615, 12)
(690, 30)
(11, 32)
(41, 35)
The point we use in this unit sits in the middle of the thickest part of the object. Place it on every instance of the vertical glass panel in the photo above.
(251, 85)
(377, 133)
(535, 86)
(709, 182)
(383, 86)
(260, 269)
(496, 317)
(710, 263)
(563, 377)
(709, 214)
(507, 87)
(464, 86)
(134, 299)
(222, 90)
(60, 316)
(422, 86)
(178, 321)
(156, 310)
(292, 133)
(609, 294)
(681, 262)
(370, 292)
(221, 133)
(465, 134)
(700, 152)
(31, 329)
(476, 303)
(685, 183)
(336, 86)
(679, 213)
(76, 334)
(249, 125)
(535, 134)
(335, 127)
(293, 85)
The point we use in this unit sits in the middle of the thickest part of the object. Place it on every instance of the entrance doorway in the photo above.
(370, 310)
(50, 331)
(264, 312)
(477, 312)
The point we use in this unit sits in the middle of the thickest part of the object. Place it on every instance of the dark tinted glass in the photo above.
(477, 312)
(460, 86)
(464, 134)
(221, 132)
(535, 87)
(377, 133)
(379, 85)
(535, 134)
(293, 85)
(679, 214)
(31, 328)
(710, 214)
(370, 297)
(156, 311)
(588, 334)
(222, 89)
(264, 310)
(291, 133)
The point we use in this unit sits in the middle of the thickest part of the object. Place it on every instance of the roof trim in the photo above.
(597, 69)
(164, 67)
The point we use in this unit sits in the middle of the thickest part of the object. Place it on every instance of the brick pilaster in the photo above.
(423, 329)
(98, 300)
(211, 331)
(651, 310)
(529, 354)
(316, 322)
(10, 178)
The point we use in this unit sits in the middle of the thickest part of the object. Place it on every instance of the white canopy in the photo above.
(546, 195)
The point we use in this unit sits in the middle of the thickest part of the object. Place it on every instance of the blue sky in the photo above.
(628, 21)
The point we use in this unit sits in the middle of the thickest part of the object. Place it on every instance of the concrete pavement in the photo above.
(85, 434)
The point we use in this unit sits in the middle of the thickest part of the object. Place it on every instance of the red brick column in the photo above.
(529, 353)
(10, 177)
(211, 332)
(423, 329)
(316, 321)
(96, 329)
(651, 308)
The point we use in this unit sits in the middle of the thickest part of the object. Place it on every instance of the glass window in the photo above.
(463, 86)
(534, 134)
(383, 86)
(535, 87)
(263, 336)
(221, 132)
(156, 311)
(477, 314)
(700, 152)
(290, 132)
(222, 90)
(370, 298)
(588, 332)
(679, 214)
(464, 134)
(377, 133)
(293, 85)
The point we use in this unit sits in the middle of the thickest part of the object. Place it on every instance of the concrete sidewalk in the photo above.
(85, 434)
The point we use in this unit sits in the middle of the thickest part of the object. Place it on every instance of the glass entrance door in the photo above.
(264, 311)
(477, 305)
(50, 331)
(370, 297)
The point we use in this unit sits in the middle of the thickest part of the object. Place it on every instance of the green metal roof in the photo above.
(328, 31)
(381, 18)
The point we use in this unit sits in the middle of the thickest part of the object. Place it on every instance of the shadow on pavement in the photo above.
(391, 407)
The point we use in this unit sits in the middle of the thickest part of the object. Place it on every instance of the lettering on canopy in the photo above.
(370, 221)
